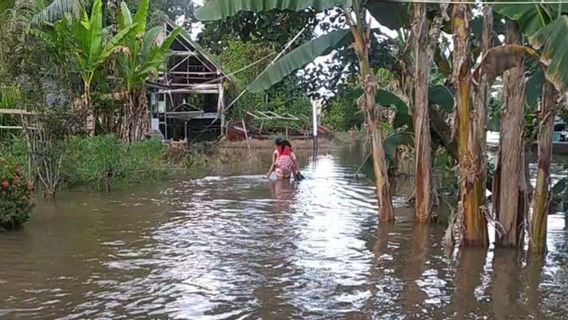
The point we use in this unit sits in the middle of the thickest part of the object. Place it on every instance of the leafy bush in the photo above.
(15, 197)
(103, 160)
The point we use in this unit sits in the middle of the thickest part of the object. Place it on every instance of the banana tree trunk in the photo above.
(471, 158)
(370, 86)
(542, 193)
(509, 191)
(421, 117)
(91, 123)
(135, 122)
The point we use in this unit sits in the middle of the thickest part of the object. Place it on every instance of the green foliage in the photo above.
(297, 59)
(552, 40)
(222, 9)
(15, 197)
(142, 56)
(274, 27)
(284, 97)
(545, 25)
(87, 48)
(57, 9)
(342, 112)
(440, 95)
(392, 15)
(235, 57)
(102, 159)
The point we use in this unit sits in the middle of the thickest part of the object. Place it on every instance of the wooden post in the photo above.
(185, 133)
(315, 128)
(221, 107)
(246, 135)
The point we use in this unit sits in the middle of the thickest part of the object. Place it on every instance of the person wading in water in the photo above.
(284, 161)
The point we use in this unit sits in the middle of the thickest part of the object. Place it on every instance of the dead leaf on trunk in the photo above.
(500, 59)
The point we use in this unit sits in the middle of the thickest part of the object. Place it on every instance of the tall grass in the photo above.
(102, 160)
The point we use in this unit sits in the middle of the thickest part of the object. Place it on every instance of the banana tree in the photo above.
(425, 34)
(358, 36)
(471, 177)
(141, 57)
(90, 50)
(510, 188)
(546, 26)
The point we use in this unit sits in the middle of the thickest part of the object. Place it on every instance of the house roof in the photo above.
(209, 57)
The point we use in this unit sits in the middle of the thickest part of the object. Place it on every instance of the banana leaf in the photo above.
(298, 58)
(222, 9)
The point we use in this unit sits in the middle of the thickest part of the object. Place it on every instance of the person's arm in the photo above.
(293, 157)
(274, 157)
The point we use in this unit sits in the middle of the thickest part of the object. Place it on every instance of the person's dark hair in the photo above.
(286, 143)
(278, 141)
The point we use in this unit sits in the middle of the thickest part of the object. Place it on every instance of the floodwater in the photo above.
(241, 247)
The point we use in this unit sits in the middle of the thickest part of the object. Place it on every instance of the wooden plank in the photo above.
(15, 111)
(194, 73)
(204, 91)
(16, 128)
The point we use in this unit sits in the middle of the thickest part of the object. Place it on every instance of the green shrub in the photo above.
(103, 160)
(15, 197)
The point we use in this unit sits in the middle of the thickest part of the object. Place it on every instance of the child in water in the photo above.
(283, 160)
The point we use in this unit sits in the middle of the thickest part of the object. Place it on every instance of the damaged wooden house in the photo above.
(187, 99)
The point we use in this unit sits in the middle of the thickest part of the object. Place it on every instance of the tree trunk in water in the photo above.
(135, 122)
(421, 117)
(368, 103)
(508, 191)
(471, 158)
(542, 193)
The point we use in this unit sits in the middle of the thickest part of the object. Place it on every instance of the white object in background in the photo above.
(315, 117)
(161, 106)
(155, 124)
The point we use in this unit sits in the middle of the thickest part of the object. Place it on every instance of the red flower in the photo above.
(5, 184)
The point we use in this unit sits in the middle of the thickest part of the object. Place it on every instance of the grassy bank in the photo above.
(101, 162)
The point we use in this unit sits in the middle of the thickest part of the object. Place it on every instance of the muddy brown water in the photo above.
(241, 247)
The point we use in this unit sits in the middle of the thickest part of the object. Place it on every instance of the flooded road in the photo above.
(241, 247)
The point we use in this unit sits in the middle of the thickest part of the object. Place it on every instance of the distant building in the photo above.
(187, 101)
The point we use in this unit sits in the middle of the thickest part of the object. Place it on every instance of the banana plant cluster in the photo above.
(135, 48)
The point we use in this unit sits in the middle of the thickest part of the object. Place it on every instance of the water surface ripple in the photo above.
(242, 247)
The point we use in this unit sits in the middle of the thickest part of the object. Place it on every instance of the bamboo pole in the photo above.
(246, 136)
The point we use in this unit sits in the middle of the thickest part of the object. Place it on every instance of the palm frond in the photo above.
(58, 8)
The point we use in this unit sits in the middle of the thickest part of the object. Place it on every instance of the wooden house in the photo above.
(187, 100)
